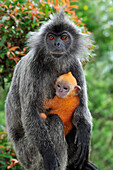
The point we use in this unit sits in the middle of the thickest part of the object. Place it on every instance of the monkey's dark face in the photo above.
(58, 43)
(62, 89)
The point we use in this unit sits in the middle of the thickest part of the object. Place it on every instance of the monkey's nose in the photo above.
(57, 44)
(61, 90)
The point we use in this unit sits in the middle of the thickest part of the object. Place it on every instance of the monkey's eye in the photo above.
(58, 85)
(64, 37)
(51, 37)
(66, 88)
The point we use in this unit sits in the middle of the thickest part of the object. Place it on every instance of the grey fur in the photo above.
(33, 80)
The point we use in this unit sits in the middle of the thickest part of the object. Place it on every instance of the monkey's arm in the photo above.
(35, 129)
(82, 118)
(82, 110)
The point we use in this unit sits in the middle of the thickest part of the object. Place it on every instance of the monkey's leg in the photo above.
(56, 131)
(28, 155)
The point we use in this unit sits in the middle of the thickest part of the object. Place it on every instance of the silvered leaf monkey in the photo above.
(55, 49)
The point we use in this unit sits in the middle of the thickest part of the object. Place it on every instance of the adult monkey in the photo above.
(54, 50)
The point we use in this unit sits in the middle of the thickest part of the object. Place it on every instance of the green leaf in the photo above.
(3, 39)
(46, 9)
(6, 156)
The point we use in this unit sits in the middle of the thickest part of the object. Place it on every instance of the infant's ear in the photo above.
(77, 89)
(55, 81)
(54, 86)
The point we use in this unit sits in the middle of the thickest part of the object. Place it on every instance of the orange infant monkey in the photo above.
(66, 100)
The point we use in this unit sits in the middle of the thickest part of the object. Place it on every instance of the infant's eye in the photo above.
(58, 85)
(66, 88)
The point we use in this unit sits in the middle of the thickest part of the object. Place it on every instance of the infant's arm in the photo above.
(50, 103)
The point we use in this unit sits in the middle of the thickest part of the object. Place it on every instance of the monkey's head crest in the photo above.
(59, 16)
(58, 24)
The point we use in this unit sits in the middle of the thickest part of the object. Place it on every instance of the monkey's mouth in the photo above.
(57, 54)
(60, 94)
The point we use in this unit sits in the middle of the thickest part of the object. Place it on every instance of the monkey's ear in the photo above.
(77, 90)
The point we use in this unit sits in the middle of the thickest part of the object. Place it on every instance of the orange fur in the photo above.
(64, 107)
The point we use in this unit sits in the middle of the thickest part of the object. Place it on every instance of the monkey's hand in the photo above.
(43, 116)
(82, 142)
(50, 160)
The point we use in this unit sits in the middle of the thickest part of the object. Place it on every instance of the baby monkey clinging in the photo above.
(66, 100)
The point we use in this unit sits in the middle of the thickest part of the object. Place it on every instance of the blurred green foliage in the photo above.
(3, 94)
(98, 17)
(7, 155)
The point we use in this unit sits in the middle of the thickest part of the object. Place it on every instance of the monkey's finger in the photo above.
(77, 160)
(79, 157)
(84, 157)
(78, 152)
(54, 167)
(91, 166)
(76, 139)
(87, 168)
